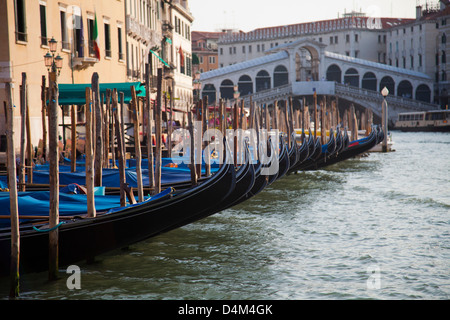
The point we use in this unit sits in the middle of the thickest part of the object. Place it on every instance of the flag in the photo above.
(181, 57)
(96, 41)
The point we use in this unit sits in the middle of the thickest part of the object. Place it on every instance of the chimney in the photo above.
(418, 12)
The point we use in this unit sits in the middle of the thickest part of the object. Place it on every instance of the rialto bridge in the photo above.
(298, 69)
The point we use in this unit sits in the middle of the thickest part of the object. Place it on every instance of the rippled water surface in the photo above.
(377, 227)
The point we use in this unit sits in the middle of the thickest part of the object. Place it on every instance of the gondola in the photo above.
(294, 151)
(353, 149)
(283, 162)
(81, 239)
(313, 157)
(303, 151)
(328, 151)
(245, 178)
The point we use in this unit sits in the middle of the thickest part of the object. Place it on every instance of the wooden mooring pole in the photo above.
(98, 115)
(158, 133)
(120, 153)
(149, 110)
(13, 205)
(44, 118)
(137, 142)
(192, 149)
(53, 177)
(73, 156)
(23, 113)
(89, 155)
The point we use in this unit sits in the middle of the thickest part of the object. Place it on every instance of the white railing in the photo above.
(365, 94)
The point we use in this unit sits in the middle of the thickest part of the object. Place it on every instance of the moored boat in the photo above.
(436, 120)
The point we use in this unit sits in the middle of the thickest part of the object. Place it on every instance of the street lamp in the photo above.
(53, 63)
(384, 118)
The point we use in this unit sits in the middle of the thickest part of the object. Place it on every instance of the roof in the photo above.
(244, 65)
(322, 26)
(75, 94)
(376, 65)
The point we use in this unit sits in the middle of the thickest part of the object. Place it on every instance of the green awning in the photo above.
(75, 94)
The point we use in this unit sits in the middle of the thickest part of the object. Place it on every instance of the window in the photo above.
(250, 49)
(91, 37)
(404, 63)
(212, 60)
(331, 40)
(119, 40)
(221, 51)
(243, 49)
(64, 37)
(335, 39)
(412, 62)
(21, 28)
(258, 48)
(444, 39)
(107, 40)
(356, 38)
(347, 38)
(420, 60)
(42, 11)
(444, 57)
(78, 36)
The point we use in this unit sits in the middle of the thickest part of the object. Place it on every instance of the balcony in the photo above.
(83, 62)
(141, 32)
(167, 28)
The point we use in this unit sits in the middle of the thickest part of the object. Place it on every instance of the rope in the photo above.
(51, 229)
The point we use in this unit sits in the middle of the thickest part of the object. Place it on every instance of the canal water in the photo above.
(376, 227)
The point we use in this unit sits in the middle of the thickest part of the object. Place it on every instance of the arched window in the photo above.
(280, 76)
(405, 89)
(423, 93)
(227, 89)
(351, 77)
(245, 85)
(209, 90)
(389, 83)
(334, 73)
(369, 81)
(262, 81)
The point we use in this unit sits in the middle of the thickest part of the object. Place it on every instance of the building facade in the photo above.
(127, 32)
(26, 28)
(421, 45)
(354, 35)
(204, 46)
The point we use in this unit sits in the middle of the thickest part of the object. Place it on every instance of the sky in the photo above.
(247, 15)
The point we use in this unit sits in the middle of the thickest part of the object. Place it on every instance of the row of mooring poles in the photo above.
(98, 141)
